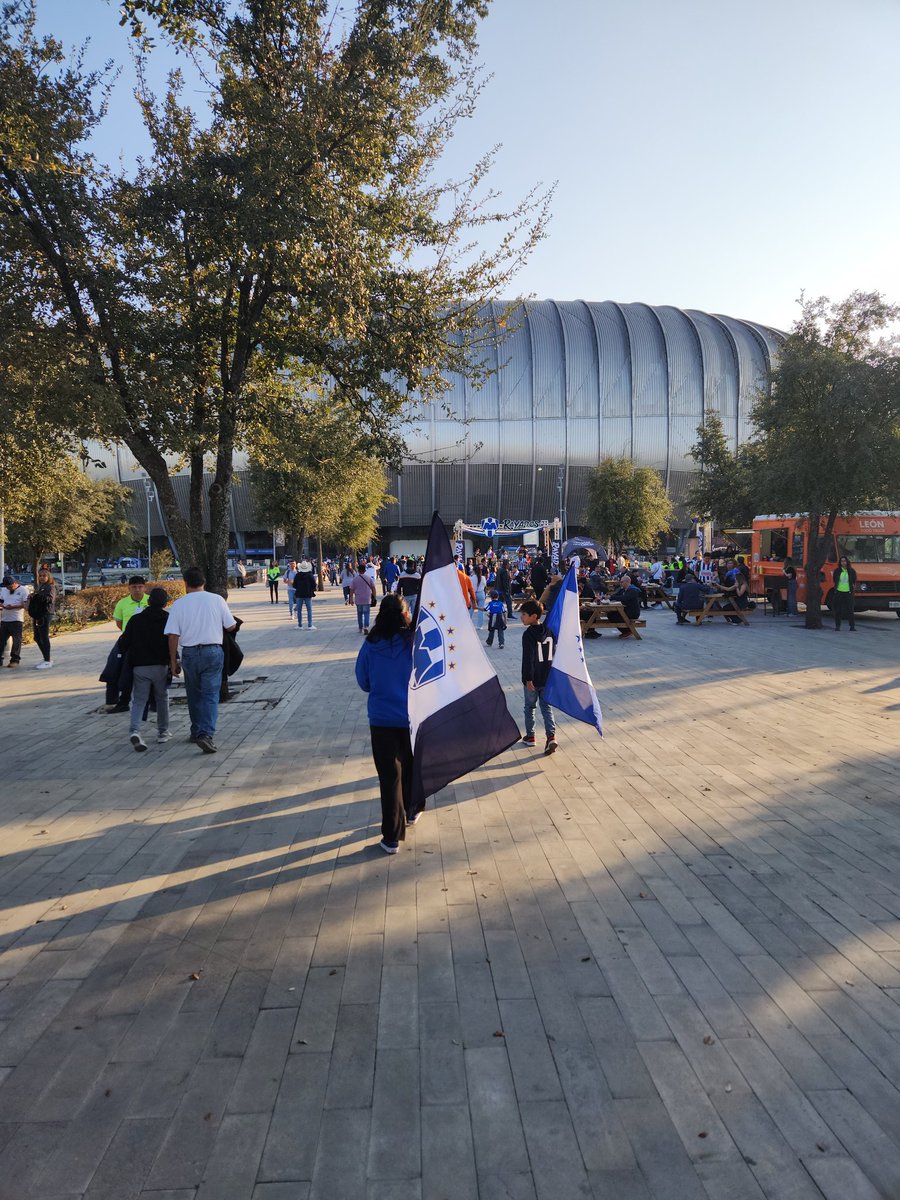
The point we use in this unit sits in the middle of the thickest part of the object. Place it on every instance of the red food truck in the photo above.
(871, 540)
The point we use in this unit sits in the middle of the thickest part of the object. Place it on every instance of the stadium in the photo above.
(571, 382)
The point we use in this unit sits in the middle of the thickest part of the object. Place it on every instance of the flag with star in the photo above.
(568, 685)
(458, 717)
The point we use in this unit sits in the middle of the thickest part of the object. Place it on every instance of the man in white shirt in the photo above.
(13, 603)
(197, 624)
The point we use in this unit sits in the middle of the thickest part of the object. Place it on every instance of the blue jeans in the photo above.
(532, 700)
(362, 615)
(290, 592)
(301, 602)
(202, 680)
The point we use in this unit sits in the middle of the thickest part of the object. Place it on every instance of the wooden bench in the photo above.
(708, 610)
(600, 615)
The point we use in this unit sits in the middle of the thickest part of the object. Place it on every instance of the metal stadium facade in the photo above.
(570, 383)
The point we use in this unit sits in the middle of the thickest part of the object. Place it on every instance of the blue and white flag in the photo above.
(568, 685)
(458, 717)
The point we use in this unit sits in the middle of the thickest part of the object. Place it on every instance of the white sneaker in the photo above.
(44, 666)
(310, 627)
(163, 737)
(138, 742)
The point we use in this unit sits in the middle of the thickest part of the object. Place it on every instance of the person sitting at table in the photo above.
(737, 589)
(691, 596)
(629, 597)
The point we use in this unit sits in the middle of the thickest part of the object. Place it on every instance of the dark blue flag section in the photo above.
(457, 710)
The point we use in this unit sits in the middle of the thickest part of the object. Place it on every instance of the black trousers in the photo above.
(392, 753)
(273, 591)
(842, 606)
(42, 635)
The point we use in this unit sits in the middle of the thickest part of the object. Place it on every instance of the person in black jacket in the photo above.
(844, 578)
(145, 641)
(503, 585)
(630, 597)
(540, 577)
(304, 589)
(538, 645)
(691, 596)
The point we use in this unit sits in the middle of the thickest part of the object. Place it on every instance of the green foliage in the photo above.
(828, 433)
(161, 561)
(113, 532)
(310, 473)
(99, 603)
(57, 509)
(627, 505)
(725, 488)
(293, 230)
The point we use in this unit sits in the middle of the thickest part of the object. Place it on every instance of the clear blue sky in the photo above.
(709, 154)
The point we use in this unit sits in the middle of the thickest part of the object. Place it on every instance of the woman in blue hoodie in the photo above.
(383, 667)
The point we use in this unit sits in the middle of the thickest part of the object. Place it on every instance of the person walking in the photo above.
(147, 647)
(362, 589)
(197, 624)
(240, 573)
(496, 611)
(273, 578)
(538, 644)
(117, 673)
(290, 573)
(304, 590)
(13, 604)
(347, 577)
(383, 668)
(478, 581)
(844, 579)
(503, 582)
(41, 607)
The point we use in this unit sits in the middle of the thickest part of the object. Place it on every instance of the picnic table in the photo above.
(656, 591)
(600, 615)
(519, 600)
(709, 610)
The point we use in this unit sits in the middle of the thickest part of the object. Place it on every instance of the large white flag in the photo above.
(568, 685)
(458, 717)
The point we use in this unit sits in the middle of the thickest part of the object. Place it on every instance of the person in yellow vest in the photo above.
(842, 601)
(273, 576)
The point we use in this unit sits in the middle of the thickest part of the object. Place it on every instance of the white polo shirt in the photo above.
(199, 618)
(14, 599)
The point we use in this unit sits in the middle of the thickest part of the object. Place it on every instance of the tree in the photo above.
(113, 532)
(311, 473)
(627, 505)
(726, 486)
(61, 507)
(829, 430)
(294, 228)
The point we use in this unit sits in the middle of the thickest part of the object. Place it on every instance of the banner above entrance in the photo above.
(491, 527)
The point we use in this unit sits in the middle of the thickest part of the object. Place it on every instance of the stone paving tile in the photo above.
(213, 987)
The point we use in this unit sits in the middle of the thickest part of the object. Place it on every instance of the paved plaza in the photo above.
(660, 966)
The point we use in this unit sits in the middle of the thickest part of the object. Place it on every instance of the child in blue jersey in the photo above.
(496, 611)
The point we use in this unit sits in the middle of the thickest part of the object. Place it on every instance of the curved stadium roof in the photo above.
(575, 381)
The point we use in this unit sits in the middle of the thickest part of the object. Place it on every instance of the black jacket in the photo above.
(144, 639)
(631, 598)
(538, 644)
(304, 585)
(539, 578)
(836, 574)
(691, 595)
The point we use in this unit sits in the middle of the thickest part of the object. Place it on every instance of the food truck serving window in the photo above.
(865, 548)
(773, 543)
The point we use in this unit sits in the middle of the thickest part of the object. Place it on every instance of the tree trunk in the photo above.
(816, 557)
(219, 506)
(85, 567)
(155, 465)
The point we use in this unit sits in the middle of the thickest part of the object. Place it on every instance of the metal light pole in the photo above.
(562, 512)
(151, 495)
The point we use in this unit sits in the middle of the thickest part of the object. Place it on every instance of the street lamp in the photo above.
(151, 495)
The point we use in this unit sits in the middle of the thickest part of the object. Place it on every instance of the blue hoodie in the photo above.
(383, 669)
